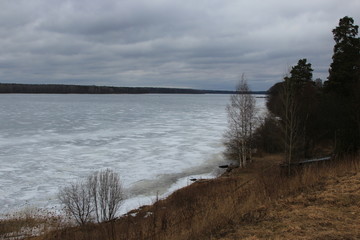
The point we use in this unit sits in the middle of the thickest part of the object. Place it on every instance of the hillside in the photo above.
(328, 210)
(319, 202)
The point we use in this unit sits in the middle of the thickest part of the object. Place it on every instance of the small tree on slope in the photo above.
(241, 117)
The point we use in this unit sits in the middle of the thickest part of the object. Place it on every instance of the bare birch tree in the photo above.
(241, 116)
(107, 194)
(295, 113)
(290, 120)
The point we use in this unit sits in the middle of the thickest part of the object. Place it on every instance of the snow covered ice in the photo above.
(154, 142)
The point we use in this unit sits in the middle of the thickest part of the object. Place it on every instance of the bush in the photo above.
(99, 197)
(77, 200)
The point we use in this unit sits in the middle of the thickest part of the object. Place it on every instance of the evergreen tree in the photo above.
(342, 88)
(344, 70)
(302, 72)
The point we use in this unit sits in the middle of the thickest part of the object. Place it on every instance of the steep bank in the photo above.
(252, 203)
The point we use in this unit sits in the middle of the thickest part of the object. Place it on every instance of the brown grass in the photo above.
(326, 209)
(29, 222)
(229, 207)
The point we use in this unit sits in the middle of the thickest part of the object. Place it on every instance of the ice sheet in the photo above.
(154, 142)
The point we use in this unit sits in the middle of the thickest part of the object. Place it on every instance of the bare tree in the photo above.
(295, 110)
(99, 197)
(241, 116)
(107, 194)
(77, 201)
(290, 120)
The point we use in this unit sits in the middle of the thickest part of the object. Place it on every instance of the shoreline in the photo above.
(137, 201)
(240, 199)
(14, 88)
(182, 182)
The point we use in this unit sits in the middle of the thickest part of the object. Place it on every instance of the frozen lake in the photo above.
(155, 143)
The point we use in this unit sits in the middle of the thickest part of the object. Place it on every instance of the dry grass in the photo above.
(329, 209)
(230, 207)
(29, 222)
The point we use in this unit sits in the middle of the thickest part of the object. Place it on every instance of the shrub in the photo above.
(99, 197)
(77, 200)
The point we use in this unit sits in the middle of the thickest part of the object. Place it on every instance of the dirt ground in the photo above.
(330, 210)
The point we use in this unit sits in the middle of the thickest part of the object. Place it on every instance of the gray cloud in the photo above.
(179, 43)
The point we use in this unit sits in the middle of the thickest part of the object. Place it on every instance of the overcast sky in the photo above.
(206, 44)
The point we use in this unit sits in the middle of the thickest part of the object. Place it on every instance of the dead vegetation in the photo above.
(30, 222)
(327, 210)
(252, 203)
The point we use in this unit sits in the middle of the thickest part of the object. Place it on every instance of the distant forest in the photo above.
(82, 89)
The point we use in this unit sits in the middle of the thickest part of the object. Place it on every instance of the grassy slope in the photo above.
(255, 203)
(192, 212)
(328, 210)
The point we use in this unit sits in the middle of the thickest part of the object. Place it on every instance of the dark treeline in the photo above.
(83, 89)
(308, 116)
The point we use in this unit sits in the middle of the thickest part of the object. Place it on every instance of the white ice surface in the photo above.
(155, 142)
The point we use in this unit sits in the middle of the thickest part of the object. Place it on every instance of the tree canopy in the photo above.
(301, 72)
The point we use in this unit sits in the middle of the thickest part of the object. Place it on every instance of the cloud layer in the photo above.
(204, 44)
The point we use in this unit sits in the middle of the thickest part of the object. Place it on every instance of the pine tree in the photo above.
(344, 70)
(342, 87)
